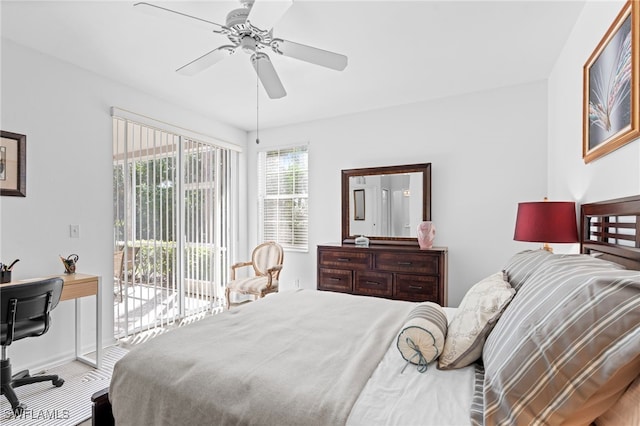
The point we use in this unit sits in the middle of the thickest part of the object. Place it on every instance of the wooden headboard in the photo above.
(611, 230)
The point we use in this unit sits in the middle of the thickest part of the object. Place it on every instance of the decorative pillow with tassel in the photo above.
(423, 334)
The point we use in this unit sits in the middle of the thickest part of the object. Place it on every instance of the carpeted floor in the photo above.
(68, 405)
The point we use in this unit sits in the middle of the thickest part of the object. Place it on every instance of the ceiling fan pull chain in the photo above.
(257, 103)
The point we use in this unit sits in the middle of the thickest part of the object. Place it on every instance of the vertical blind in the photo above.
(171, 222)
(283, 182)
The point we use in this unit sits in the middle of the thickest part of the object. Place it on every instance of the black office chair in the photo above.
(24, 312)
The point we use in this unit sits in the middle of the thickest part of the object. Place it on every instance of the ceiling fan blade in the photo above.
(163, 12)
(206, 60)
(310, 54)
(268, 76)
(265, 13)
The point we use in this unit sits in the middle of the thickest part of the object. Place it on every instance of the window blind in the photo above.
(172, 225)
(283, 182)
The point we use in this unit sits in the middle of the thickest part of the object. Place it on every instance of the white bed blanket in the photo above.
(437, 398)
(296, 358)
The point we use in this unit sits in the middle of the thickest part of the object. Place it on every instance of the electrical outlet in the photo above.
(74, 231)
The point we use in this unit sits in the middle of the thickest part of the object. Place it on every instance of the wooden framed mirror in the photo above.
(395, 198)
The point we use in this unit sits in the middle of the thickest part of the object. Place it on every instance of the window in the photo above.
(172, 222)
(283, 192)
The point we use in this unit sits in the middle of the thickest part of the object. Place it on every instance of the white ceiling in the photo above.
(399, 51)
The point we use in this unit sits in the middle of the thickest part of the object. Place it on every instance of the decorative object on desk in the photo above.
(546, 222)
(362, 241)
(13, 164)
(5, 271)
(611, 98)
(70, 263)
(426, 234)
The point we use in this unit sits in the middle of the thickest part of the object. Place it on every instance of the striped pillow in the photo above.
(572, 325)
(522, 265)
(422, 336)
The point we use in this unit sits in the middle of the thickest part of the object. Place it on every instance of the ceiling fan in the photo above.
(249, 28)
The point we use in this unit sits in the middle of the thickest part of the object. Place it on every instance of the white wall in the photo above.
(488, 152)
(614, 175)
(65, 113)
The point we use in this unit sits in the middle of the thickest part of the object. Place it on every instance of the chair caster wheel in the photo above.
(58, 383)
(17, 411)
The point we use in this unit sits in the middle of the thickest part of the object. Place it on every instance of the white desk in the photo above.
(75, 287)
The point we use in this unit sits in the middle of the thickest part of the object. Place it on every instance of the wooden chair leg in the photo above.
(226, 293)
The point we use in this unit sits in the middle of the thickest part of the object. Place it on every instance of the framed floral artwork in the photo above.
(611, 98)
(13, 164)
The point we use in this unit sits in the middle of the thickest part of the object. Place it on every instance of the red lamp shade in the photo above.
(547, 222)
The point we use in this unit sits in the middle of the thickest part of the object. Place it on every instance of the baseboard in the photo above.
(67, 356)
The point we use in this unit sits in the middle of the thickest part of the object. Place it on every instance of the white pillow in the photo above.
(422, 336)
(477, 314)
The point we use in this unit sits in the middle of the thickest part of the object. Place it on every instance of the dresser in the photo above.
(392, 271)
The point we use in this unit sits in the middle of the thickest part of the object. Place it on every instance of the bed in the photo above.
(550, 339)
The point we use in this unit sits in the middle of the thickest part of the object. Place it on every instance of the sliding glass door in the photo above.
(171, 203)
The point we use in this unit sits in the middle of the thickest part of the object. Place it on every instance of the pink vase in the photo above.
(426, 234)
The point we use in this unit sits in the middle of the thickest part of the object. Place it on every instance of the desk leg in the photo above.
(78, 330)
(99, 325)
(79, 356)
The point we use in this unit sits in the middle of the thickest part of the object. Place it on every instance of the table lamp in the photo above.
(546, 222)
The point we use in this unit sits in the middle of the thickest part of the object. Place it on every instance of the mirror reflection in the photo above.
(386, 205)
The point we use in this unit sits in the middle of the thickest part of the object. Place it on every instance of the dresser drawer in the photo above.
(407, 262)
(417, 288)
(374, 284)
(335, 280)
(344, 259)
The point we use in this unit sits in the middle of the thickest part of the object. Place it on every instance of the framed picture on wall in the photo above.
(611, 80)
(13, 164)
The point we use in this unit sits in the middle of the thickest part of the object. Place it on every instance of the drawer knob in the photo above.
(404, 263)
(373, 282)
(415, 287)
(344, 259)
(335, 279)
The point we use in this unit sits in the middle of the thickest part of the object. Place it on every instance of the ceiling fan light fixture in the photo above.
(248, 44)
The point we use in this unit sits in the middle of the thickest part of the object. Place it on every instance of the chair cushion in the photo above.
(266, 256)
(251, 284)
